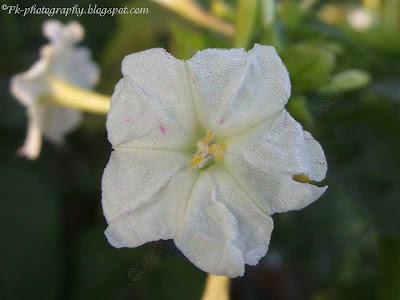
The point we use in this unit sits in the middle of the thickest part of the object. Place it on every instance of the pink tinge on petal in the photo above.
(124, 212)
(163, 130)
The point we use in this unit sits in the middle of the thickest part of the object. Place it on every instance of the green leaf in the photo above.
(186, 42)
(291, 14)
(309, 66)
(346, 81)
(297, 107)
(246, 13)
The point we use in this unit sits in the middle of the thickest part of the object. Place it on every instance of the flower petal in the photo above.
(222, 229)
(27, 86)
(74, 31)
(158, 217)
(134, 176)
(75, 65)
(33, 140)
(61, 59)
(52, 29)
(234, 90)
(60, 121)
(265, 158)
(71, 33)
(151, 105)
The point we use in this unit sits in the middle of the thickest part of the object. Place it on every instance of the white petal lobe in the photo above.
(156, 218)
(234, 90)
(71, 33)
(133, 176)
(33, 140)
(59, 122)
(28, 86)
(75, 65)
(265, 159)
(223, 229)
(151, 106)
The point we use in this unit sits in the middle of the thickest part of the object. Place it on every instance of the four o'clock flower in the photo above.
(359, 18)
(205, 153)
(61, 60)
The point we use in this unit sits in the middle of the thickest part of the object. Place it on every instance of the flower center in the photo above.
(208, 150)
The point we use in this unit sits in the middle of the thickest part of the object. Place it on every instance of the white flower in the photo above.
(156, 184)
(62, 60)
(359, 18)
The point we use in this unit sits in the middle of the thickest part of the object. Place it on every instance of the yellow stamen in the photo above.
(219, 156)
(213, 148)
(303, 179)
(208, 138)
(216, 147)
(206, 151)
(196, 160)
(221, 145)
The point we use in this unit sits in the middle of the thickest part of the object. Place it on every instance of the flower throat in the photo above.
(208, 151)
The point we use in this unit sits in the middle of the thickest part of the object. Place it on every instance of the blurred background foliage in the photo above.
(344, 62)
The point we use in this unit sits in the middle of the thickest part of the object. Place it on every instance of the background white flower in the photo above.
(360, 18)
(59, 59)
(220, 215)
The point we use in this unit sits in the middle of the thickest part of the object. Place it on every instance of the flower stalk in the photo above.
(194, 13)
(68, 95)
(216, 288)
(246, 12)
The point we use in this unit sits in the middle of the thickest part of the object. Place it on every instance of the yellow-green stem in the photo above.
(246, 12)
(194, 13)
(217, 288)
(68, 95)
